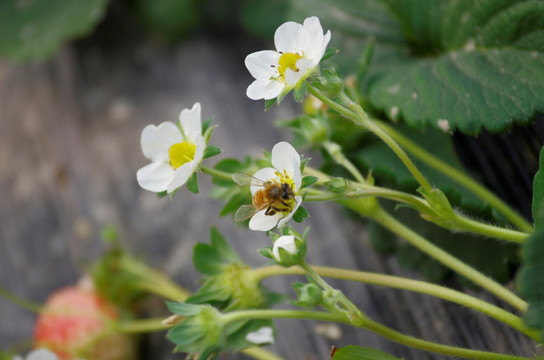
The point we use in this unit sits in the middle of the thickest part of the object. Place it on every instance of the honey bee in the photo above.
(273, 196)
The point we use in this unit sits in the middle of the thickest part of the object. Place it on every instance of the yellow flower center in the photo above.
(181, 153)
(284, 178)
(288, 61)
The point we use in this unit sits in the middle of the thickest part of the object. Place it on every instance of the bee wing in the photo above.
(245, 179)
(247, 211)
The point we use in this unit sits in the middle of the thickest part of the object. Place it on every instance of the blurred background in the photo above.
(79, 80)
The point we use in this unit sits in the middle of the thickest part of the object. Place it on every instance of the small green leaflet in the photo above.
(307, 181)
(192, 184)
(300, 214)
(330, 52)
(268, 103)
(353, 352)
(211, 151)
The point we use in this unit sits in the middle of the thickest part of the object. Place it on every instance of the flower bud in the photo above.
(309, 295)
(289, 250)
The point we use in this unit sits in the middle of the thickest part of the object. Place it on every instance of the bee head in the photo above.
(286, 192)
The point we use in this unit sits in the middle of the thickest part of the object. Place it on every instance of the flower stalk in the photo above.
(401, 283)
(372, 326)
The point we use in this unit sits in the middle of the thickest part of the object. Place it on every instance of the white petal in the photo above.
(263, 65)
(304, 68)
(200, 144)
(181, 175)
(190, 121)
(41, 354)
(284, 221)
(297, 176)
(285, 157)
(287, 243)
(264, 335)
(156, 140)
(264, 89)
(315, 49)
(324, 45)
(285, 37)
(265, 174)
(262, 222)
(155, 176)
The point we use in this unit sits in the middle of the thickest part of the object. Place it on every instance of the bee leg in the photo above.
(270, 211)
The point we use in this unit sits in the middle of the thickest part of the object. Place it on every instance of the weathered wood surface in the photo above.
(69, 151)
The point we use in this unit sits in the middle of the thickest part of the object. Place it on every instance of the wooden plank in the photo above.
(69, 151)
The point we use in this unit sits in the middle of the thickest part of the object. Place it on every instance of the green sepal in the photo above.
(206, 259)
(307, 181)
(440, 205)
(206, 124)
(364, 61)
(330, 52)
(208, 133)
(269, 103)
(337, 185)
(299, 92)
(300, 214)
(222, 247)
(353, 352)
(309, 295)
(303, 161)
(211, 151)
(162, 194)
(192, 184)
(267, 252)
(211, 292)
(184, 309)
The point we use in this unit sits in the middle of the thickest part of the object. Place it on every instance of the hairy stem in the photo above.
(397, 282)
(493, 200)
(370, 325)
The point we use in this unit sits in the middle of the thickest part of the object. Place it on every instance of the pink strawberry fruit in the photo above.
(76, 322)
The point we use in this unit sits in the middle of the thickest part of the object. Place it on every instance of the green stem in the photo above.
(336, 153)
(154, 281)
(23, 303)
(460, 222)
(434, 347)
(422, 287)
(489, 230)
(343, 299)
(459, 177)
(382, 217)
(370, 325)
(142, 326)
(216, 173)
(359, 117)
(280, 314)
(261, 354)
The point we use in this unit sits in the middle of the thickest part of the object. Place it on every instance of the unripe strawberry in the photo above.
(76, 322)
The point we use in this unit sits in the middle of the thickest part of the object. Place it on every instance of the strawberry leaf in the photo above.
(470, 65)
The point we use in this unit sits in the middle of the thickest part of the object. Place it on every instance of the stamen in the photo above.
(181, 153)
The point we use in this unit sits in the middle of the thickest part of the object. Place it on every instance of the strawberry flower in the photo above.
(175, 152)
(299, 49)
(286, 169)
